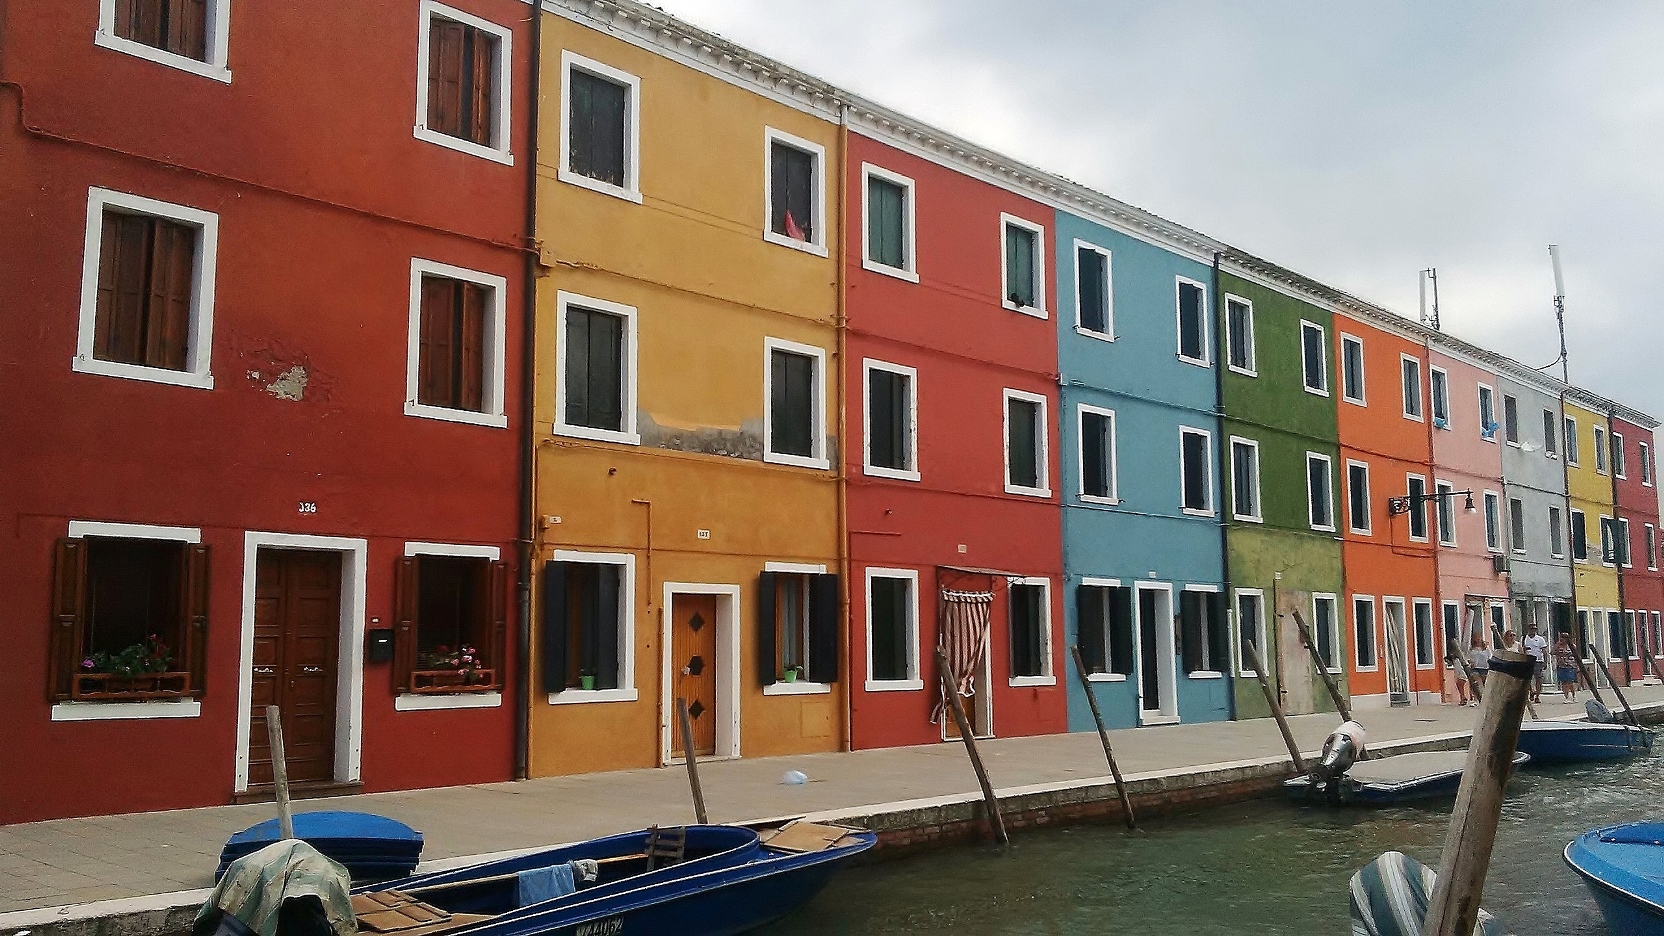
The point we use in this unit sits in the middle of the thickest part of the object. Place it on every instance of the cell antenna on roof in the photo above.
(1431, 320)
(1560, 309)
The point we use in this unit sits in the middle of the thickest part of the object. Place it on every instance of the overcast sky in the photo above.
(1355, 143)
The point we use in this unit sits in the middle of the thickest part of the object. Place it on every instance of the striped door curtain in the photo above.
(963, 638)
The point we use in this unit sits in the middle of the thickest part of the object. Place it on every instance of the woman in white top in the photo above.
(1480, 654)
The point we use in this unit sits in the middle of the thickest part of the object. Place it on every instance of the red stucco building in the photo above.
(259, 367)
(1635, 486)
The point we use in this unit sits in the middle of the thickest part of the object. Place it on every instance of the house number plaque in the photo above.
(308, 507)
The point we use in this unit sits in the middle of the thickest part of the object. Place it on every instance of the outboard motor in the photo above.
(1342, 749)
(1598, 713)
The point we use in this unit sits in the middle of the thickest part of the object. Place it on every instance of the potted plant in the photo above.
(447, 669)
(134, 670)
(586, 681)
(791, 674)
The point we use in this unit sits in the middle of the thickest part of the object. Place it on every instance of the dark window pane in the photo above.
(1022, 442)
(1418, 508)
(1325, 627)
(1120, 631)
(177, 26)
(593, 612)
(889, 414)
(451, 612)
(1352, 366)
(1248, 629)
(791, 202)
(1239, 321)
(596, 137)
(1357, 481)
(1245, 480)
(886, 223)
(1093, 289)
(1511, 418)
(594, 369)
(1551, 439)
(890, 638)
(1322, 500)
(791, 384)
(1020, 266)
(1192, 323)
(1028, 650)
(1312, 354)
(1097, 459)
(1194, 449)
(132, 595)
(1363, 622)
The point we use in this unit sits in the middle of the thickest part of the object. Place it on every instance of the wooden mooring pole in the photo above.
(1453, 907)
(1601, 659)
(1103, 735)
(1588, 677)
(1341, 705)
(280, 771)
(1276, 706)
(996, 822)
(692, 759)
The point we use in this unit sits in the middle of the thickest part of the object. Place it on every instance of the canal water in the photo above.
(1261, 867)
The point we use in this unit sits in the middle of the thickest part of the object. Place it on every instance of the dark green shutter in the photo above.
(1094, 449)
(1090, 614)
(768, 650)
(825, 625)
(1023, 431)
(554, 638)
(1120, 631)
(1092, 276)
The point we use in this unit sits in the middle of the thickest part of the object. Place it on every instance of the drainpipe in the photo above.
(1623, 610)
(1223, 450)
(1566, 475)
(841, 326)
(1462, 639)
(528, 365)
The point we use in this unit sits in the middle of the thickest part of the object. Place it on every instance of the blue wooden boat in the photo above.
(727, 880)
(1623, 866)
(1563, 742)
(370, 847)
(1387, 781)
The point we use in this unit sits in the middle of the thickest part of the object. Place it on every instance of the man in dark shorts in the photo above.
(1537, 646)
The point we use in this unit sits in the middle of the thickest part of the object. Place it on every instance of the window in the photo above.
(892, 429)
(1314, 358)
(1608, 542)
(463, 90)
(1571, 441)
(797, 629)
(1026, 471)
(1619, 463)
(1418, 508)
(1245, 479)
(1621, 529)
(1357, 496)
(1446, 503)
(1104, 611)
(1193, 322)
(1453, 624)
(147, 290)
(1326, 624)
(1487, 413)
(1031, 638)
(189, 35)
(888, 208)
(1363, 625)
(794, 411)
(450, 619)
(1250, 628)
(1439, 382)
(1511, 419)
(455, 367)
(1196, 470)
(1516, 524)
(601, 147)
(892, 630)
(588, 639)
(1094, 302)
(595, 389)
(1023, 266)
(1493, 522)
(1580, 536)
(796, 187)
(1556, 536)
(1616, 643)
(1551, 438)
(1320, 492)
(1649, 540)
(1097, 455)
(1412, 387)
(1600, 450)
(1239, 335)
(129, 613)
(1352, 369)
(1204, 638)
(1426, 645)
(1646, 464)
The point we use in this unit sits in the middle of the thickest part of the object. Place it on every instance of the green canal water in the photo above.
(1261, 867)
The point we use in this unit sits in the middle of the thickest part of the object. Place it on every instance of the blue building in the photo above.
(1142, 540)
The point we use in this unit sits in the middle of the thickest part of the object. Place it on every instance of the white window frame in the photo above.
(1048, 675)
(1337, 627)
(630, 191)
(816, 244)
(1571, 533)
(1089, 582)
(1214, 672)
(1329, 472)
(910, 270)
(1646, 463)
(422, 702)
(1108, 334)
(502, 109)
(1421, 394)
(1649, 534)
(198, 371)
(218, 35)
(1557, 547)
(1114, 455)
(628, 435)
(1570, 446)
(914, 682)
(626, 691)
(1042, 446)
(1421, 509)
(1603, 456)
(818, 427)
(1443, 492)
(1493, 507)
(1363, 376)
(911, 473)
(1237, 594)
(1259, 506)
(1252, 357)
(1434, 628)
(1206, 360)
(1369, 517)
(1551, 442)
(1038, 310)
(1483, 390)
(1503, 428)
(1374, 633)
(1323, 352)
(1624, 548)
(1213, 505)
(1520, 548)
(1433, 396)
(1620, 464)
(493, 367)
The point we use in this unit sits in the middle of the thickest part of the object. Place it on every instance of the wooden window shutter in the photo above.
(406, 599)
(824, 628)
(471, 366)
(125, 249)
(187, 25)
(445, 44)
(481, 85)
(433, 368)
(168, 316)
(193, 609)
(140, 21)
(1090, 612)
(768, 650)
(552, 641)
(498, 648)
(69, 588)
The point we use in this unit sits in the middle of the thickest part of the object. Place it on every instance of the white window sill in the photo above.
(494, 420)
(797, 688)
(1089, 333)
(464, 146)
(1419, 419)
(603, 188)
(1314, 391)
(895, 474)
(1205, 674)
(796, 461)
(1242, 370)
(1193, 512)
(1096, 499)
(1148, 719)
(887, 270)
(108, 711)
(1197, 362)
(1357, 532)
(1247, 674)
(1106, 677)
(808, 247)
(1027, 491)
(1333, 670)
(583, 696)
(1362, 403)
(1019, 682)
(423, 702)
(1424, 667)
(894, 685)
(1323, 529)
(162, 57)
(1422, 540)
(1447, 545)
(1367, 669)
(1031, 311)
(1244, 518)
(91, 365)
(597, 435)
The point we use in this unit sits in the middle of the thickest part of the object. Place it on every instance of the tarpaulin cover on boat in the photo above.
(284, 887)
(1390, 895)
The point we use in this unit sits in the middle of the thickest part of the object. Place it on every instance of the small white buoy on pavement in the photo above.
(794, 778)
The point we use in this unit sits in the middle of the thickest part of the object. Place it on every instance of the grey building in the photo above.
(1535, 531)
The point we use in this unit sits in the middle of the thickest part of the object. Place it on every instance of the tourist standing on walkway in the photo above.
(1565, 667)
(1537, 646)
(1480, 654)
(1453, 662)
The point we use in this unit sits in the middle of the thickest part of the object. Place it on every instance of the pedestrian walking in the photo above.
(1536, 645)
(1480, 653)
(1565, 667)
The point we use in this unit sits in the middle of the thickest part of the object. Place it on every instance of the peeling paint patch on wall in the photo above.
(744, 442)
(281, 371)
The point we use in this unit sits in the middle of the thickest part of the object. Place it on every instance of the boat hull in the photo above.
(1550, 742)
(1402, 778)
(1622, 866)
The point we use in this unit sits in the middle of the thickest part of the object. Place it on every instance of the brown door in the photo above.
(693, 656)
(297, 630)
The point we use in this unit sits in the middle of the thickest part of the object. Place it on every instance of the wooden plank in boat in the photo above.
(805, 837)
(392, 911)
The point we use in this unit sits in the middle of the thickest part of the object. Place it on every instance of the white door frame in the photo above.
(1166, 664)
(727, 668)
(349, 660)
(1406, 653)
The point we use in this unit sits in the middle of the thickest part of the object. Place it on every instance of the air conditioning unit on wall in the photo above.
(1499, 564)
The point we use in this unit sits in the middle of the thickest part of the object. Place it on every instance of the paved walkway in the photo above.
(77, 861)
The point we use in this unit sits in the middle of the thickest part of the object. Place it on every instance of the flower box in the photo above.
(429, 682)
(94, 687)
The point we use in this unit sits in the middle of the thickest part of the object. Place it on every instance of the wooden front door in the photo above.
(693, 662)
(297, 633)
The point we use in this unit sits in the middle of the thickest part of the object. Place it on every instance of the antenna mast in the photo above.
(1431, 321)
(1560, 310)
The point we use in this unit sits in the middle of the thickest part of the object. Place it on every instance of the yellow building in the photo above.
(1589, 482)
(687, 401)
